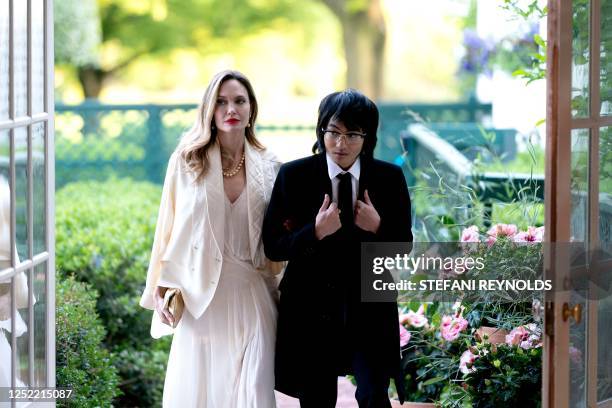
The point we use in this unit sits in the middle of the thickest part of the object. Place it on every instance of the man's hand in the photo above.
(328, 219)
(164, 314)
(366, 216)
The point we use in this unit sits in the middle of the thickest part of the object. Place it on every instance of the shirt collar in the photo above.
(333, 169)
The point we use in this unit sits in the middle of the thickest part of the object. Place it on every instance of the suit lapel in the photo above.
(215, 197)
(324, 181)
(256, 200)
(364, 177)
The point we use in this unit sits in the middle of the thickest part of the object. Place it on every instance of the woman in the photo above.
(208, 245)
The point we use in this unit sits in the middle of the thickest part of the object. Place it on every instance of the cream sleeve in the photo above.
(163, 230)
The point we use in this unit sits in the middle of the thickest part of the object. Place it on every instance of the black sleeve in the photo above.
(280, 242)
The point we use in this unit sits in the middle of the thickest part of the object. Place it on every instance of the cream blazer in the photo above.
(189, 238)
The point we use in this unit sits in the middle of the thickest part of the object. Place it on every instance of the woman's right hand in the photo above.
(163, 312)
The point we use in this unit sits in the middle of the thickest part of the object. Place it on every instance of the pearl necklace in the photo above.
(231, 173)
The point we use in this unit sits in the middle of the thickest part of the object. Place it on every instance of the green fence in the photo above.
(95, 141)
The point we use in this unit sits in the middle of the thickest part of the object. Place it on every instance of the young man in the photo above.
(322, 208)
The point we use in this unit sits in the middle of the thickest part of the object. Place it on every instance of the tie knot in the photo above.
(344, 176)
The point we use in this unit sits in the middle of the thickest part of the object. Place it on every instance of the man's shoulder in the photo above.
(299, 165)
(385, 168)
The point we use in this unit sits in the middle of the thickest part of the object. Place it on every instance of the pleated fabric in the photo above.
(225, 358)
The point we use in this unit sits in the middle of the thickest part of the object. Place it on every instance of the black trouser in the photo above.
(321, 391)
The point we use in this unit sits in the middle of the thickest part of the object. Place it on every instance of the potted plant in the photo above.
(507, 374)
(509, 254)
(432, 337)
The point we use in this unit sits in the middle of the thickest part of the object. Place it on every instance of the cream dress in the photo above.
(225, 359)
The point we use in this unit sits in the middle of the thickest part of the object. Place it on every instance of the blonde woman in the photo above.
(208, 245)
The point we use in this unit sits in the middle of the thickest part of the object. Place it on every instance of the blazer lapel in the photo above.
(364, 178)
(324, 181)
(215, 197)
(256, 198)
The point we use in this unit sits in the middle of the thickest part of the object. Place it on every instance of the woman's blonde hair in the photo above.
(195, 143)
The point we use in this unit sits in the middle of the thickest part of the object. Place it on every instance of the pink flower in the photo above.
(470, 234)
(413, 319)
(540, 234)
(501, 230)
(575, 355)
(526, 337)
(404, 335)
(451, 327)
(466, 361)
(532, 234)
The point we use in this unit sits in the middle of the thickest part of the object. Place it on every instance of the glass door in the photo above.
(27, 269)
(578, 363)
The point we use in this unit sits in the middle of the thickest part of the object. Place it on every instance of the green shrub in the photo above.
(104, 233)
(82, 363)
(506, 376)
(143, 373)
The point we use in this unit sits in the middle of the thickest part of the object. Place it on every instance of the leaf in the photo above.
(539, 40)
(434, 380)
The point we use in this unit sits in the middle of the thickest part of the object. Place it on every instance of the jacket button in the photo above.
(213, 282)
(195, 246)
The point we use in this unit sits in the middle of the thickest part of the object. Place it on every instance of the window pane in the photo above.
(22, 330)
(580, 58)
(40, 325)
(38, 56)
(20, 18)
(39, 177)
(4, 60)
(579, 184)
(5, 330)
(604, 349)
(604, 316)
(21, 190)
(606, 57)
(605, 188)
(5, 202)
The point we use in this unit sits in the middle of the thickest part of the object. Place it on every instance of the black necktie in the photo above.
(345, 199)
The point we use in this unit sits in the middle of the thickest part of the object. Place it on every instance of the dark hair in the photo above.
(355, 110)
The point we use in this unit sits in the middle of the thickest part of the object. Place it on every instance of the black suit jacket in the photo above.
(322, 320)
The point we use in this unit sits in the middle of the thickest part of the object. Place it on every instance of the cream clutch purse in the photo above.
(173, 300)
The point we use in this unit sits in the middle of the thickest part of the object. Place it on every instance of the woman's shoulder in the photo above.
(268, 156)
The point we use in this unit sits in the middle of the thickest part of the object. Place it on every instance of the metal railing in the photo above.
(95, 141)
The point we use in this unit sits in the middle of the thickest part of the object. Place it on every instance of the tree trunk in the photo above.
(92, 80)
(364, 35)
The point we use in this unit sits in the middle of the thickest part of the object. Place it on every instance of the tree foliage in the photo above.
(130, 30)
(77, 32)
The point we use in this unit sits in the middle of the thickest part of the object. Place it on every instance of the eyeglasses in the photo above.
(350, 138)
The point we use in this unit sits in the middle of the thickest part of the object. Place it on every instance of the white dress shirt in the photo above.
(333, 170)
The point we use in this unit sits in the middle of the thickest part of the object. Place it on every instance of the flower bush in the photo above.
(432, 339)
(448, 359)
(506, 375)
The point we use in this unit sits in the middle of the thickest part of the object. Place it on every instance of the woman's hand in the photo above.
(164, 314)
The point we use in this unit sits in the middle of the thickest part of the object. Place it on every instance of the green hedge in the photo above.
(104, 233)
(82, 363)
